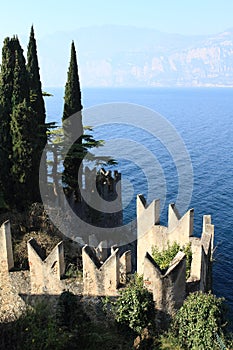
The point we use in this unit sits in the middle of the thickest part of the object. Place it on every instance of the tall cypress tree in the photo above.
(72, 99)
(23, 128)
(6, 89)
(20, 91)
(23, 139)
(37, 104)
(37, 101)
(73, 106)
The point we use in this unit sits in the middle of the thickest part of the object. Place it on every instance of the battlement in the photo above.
(105, 269)
(169, 288)
(103, 181)
(6, 251)
(179, 230)
(104, 277)
(46, 274)
(100, 278)
(147, 215)
(202, 250)
(102, 190)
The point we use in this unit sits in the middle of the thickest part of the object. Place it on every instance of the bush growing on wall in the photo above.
(134, 307)
(164, 258)
(199, 324)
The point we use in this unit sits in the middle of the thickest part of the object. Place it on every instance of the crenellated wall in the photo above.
(179, 230)
(106, 270)
(169, 288)
(100, 278)
(6, 252)
(45, 275)
(202, 251)
(104, 276)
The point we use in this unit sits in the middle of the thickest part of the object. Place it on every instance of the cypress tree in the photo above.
(23, 139)
(37, 104)
(73, 106)
(23, 132)
(37, 101)
(20, 91)
(72, 99)
(6, 89)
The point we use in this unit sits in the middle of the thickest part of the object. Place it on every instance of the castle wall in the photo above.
(179, 229)
(104, 272)
(6, 252)
(150, 233)
(168, 289)
(147, 215)
(125, 266)
(100, 279)
(156, 236)
(46, 274)
(11, 283)
(202, 256)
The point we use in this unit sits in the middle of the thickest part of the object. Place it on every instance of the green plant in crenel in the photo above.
(164, 258)
(134, 307)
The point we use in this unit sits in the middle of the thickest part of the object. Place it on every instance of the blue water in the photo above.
(204, 120)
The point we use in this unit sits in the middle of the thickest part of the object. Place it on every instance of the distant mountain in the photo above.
(128, 56)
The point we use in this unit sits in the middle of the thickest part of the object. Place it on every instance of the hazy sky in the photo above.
(174, 16)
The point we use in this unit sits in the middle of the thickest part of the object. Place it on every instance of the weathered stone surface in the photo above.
(46, 274)
(168, 289)
(105, 271)
(179, 230)
(100, 278)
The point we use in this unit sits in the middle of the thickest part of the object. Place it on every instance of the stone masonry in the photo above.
(169, 290)
(106, 271)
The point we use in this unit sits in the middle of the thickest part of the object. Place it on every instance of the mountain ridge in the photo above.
(122, 56)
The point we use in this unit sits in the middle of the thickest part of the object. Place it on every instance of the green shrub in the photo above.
(199, 324)
(37, 329)
(134, 307)
(164, 258)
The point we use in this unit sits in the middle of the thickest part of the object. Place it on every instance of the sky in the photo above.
(49, 17)
(171, 16)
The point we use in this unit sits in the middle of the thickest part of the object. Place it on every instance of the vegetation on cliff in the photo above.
(199, 324)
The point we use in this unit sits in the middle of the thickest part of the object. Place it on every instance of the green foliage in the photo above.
(22, 116)
(200, 323)
(73, 129)
(72, 89)
(37, 101)
(72, 271)
(134, 307)
(36, 329)
(37, 104)
(20, 90)
(6, 89)
(188, 252)
(23, 151)
(164, 258)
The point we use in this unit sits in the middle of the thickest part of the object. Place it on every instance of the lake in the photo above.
(203, 117)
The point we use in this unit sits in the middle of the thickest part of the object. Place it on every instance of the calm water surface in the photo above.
(204, 120)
